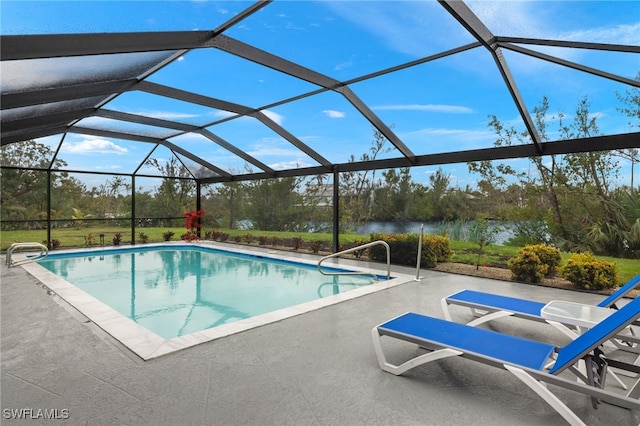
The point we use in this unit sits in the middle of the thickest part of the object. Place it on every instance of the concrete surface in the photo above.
(318, 368)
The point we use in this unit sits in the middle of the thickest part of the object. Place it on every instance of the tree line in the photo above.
(571, 201)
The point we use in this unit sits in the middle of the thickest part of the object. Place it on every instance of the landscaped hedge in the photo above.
(404, 249)
(589, 273)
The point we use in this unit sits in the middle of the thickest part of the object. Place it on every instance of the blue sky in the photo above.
(437, 107)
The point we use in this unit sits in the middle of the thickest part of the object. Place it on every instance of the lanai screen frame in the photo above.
(21, 127)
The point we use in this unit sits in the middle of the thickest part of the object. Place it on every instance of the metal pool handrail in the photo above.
(363, 246)
(44, 251)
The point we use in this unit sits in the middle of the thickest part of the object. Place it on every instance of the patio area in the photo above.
(318, 368)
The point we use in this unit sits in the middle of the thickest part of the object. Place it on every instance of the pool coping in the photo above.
(148, 345)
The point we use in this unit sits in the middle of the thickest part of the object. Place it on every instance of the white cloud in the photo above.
(333, 114)
(407, 29)
(113, 167)
(284, 165)
(453, 109)
(445, 131)
(93, 146)
(277, 118)
(502, 17)
(447, 139)
(224, 114)
(264, 151)
(164, 115)
(190, 137)
(618, 34)
(527, 19)
(344, 65)
(292, 26)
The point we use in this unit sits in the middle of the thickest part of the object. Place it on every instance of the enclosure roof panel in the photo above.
(242, 90)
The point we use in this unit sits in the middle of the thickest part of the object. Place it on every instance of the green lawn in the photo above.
(467, 252)
(464, 251)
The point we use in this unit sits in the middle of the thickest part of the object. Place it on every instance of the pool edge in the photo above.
(148, 345)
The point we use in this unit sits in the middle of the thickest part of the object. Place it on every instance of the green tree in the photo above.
(67, 193)
(483, 234)
(108, 196)
(176, 192)
(438, 197)
(144, 203)
(630, 106)
(224, 202)
(496, 177)
(318, 201)
(23, 190)
(590, 176)
(572, 193)
(275, 204)
(393, 196)
(357, 187)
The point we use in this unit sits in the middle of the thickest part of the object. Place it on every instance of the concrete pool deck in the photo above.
(317, 368)
(148, 345)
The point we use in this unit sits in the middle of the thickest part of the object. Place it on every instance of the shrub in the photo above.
(316, 246)
(404, 249)
(527, 267)
(214, 235)
(549, 256)
(263, 240)
(358, 253)
(589, 273)
(89, 240)
(193, 220)
(297, 243)
(143, 238)
(276, 241)
(54, 244)
(436, 248)
(189, 236)
(534, 262)
(117, 238)
(167, 235)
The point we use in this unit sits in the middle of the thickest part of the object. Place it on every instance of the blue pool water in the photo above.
(177, 290)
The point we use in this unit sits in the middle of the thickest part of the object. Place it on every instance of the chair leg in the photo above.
(413, 362)
(489, 317)
(482, 316)
(544, 393)
(564, 329)
(445, 309)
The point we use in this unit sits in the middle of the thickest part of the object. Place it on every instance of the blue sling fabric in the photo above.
(494, 301)
(619, 293)
(502, 347)
(595, 336)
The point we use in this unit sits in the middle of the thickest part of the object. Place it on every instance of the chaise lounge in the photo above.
(489, 306)
(525, 359)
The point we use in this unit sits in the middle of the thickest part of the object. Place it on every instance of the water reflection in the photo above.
(176, 291)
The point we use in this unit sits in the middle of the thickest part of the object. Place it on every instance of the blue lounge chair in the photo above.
(488, 306)
(525, 359)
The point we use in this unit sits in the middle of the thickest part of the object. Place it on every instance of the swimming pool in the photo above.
(161, 298)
